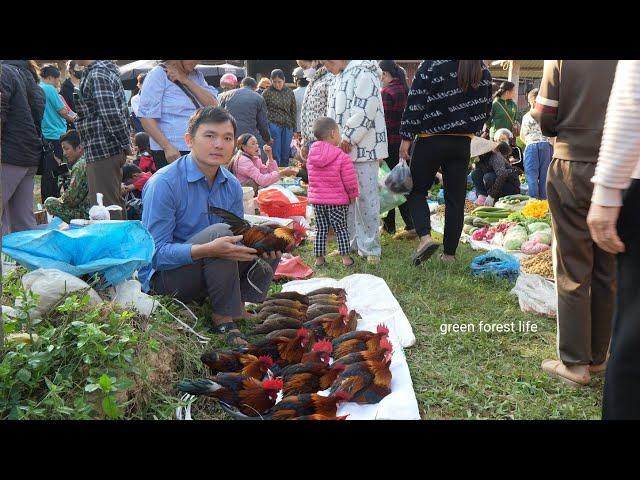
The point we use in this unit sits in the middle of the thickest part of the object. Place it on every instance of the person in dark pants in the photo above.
(448, 102)
(196, 255)
(54, 125)
(614, 224)
(394, 99)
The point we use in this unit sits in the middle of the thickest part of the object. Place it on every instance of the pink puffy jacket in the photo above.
(332, 178)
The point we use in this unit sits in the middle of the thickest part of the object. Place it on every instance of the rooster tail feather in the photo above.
(234, 221)
(199, 387)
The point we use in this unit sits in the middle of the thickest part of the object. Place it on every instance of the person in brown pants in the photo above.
(571, 105)
(103, 125)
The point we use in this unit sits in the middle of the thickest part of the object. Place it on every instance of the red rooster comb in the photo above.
(343, 310)
(386, 344)
(322, 346)
(268, 361)
(343, 417)
(275, 384)
(382, 328)
(343, 396)
(302, 333)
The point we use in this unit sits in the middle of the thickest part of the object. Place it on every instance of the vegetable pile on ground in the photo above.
(302, 333)
(540, 264)
(536, 208)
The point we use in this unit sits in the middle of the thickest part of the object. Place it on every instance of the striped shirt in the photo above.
(619, 159)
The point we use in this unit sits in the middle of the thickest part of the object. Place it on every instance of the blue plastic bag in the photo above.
(496, 263)
(113, 250)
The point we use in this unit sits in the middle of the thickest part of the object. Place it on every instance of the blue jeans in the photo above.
(537, 157)
(282, 137)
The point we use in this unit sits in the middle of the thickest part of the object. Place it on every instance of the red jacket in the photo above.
(147, 164)
(332, 177)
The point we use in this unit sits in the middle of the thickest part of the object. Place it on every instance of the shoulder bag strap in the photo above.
(186, 91)
(507, 112)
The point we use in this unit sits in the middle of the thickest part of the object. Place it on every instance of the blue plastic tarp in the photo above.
(113, 250)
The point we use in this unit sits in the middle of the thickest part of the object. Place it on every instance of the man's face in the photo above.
(189, 65)
(71, 154)
(334, 66)
(212, 144)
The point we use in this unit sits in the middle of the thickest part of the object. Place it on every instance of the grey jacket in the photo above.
(250, 111)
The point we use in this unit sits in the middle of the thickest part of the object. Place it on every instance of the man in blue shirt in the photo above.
(196, 255)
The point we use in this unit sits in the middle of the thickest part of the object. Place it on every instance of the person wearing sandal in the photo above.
(333, 185)
(448, 101)
(196, 255)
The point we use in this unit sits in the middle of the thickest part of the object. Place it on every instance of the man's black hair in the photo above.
(249, 82)
(49, 71)
(129, 170)
(72, 137)
(210, 115)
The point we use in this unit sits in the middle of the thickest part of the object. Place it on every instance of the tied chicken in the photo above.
(284, 351)
(230, 361)
(333, 325)
(309, 377)
(320, 417)
(252, 397)
(320, 353)
(269, 237)
(365, 382)
(358, 341)
(307, 404)
(385, 347)
(277, 322)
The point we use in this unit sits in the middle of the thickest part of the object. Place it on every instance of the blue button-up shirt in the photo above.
(176, 203)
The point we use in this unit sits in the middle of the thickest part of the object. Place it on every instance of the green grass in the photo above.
(471, 375)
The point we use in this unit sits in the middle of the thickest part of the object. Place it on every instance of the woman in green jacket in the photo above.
(504, 110)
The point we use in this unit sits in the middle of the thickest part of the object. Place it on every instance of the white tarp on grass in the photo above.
(372, 299)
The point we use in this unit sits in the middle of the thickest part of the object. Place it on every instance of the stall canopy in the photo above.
(212, 73)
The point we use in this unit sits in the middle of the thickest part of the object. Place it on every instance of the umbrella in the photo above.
(212, 73)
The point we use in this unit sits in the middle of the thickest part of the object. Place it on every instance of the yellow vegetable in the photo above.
(535, 208)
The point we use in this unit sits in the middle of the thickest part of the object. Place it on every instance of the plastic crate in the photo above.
(283, 210)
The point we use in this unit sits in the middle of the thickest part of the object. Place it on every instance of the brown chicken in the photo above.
(287, 332)
(327, 291)
(308, 377)
(268, 237)
(290, 296)
(282, 302)
(315, 311)
(276, 322)
(331, 326)
(266, 312)
(230, 361)
(358, 341)
(320, 352)
(365, 382)
(252, 397)
(327, 300)
(320, 417)
(377, 355)
(306, 404)
(284, 351)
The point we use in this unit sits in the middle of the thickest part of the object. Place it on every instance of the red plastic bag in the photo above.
(293, 268)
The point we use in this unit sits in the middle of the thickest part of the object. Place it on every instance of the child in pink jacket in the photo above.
(248, 167)
(333, 185)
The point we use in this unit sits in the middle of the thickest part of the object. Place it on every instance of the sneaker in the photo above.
(373, 260)
(405, 235)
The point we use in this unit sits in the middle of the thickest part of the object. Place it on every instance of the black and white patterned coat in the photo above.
(314, 104)
(355, 103)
